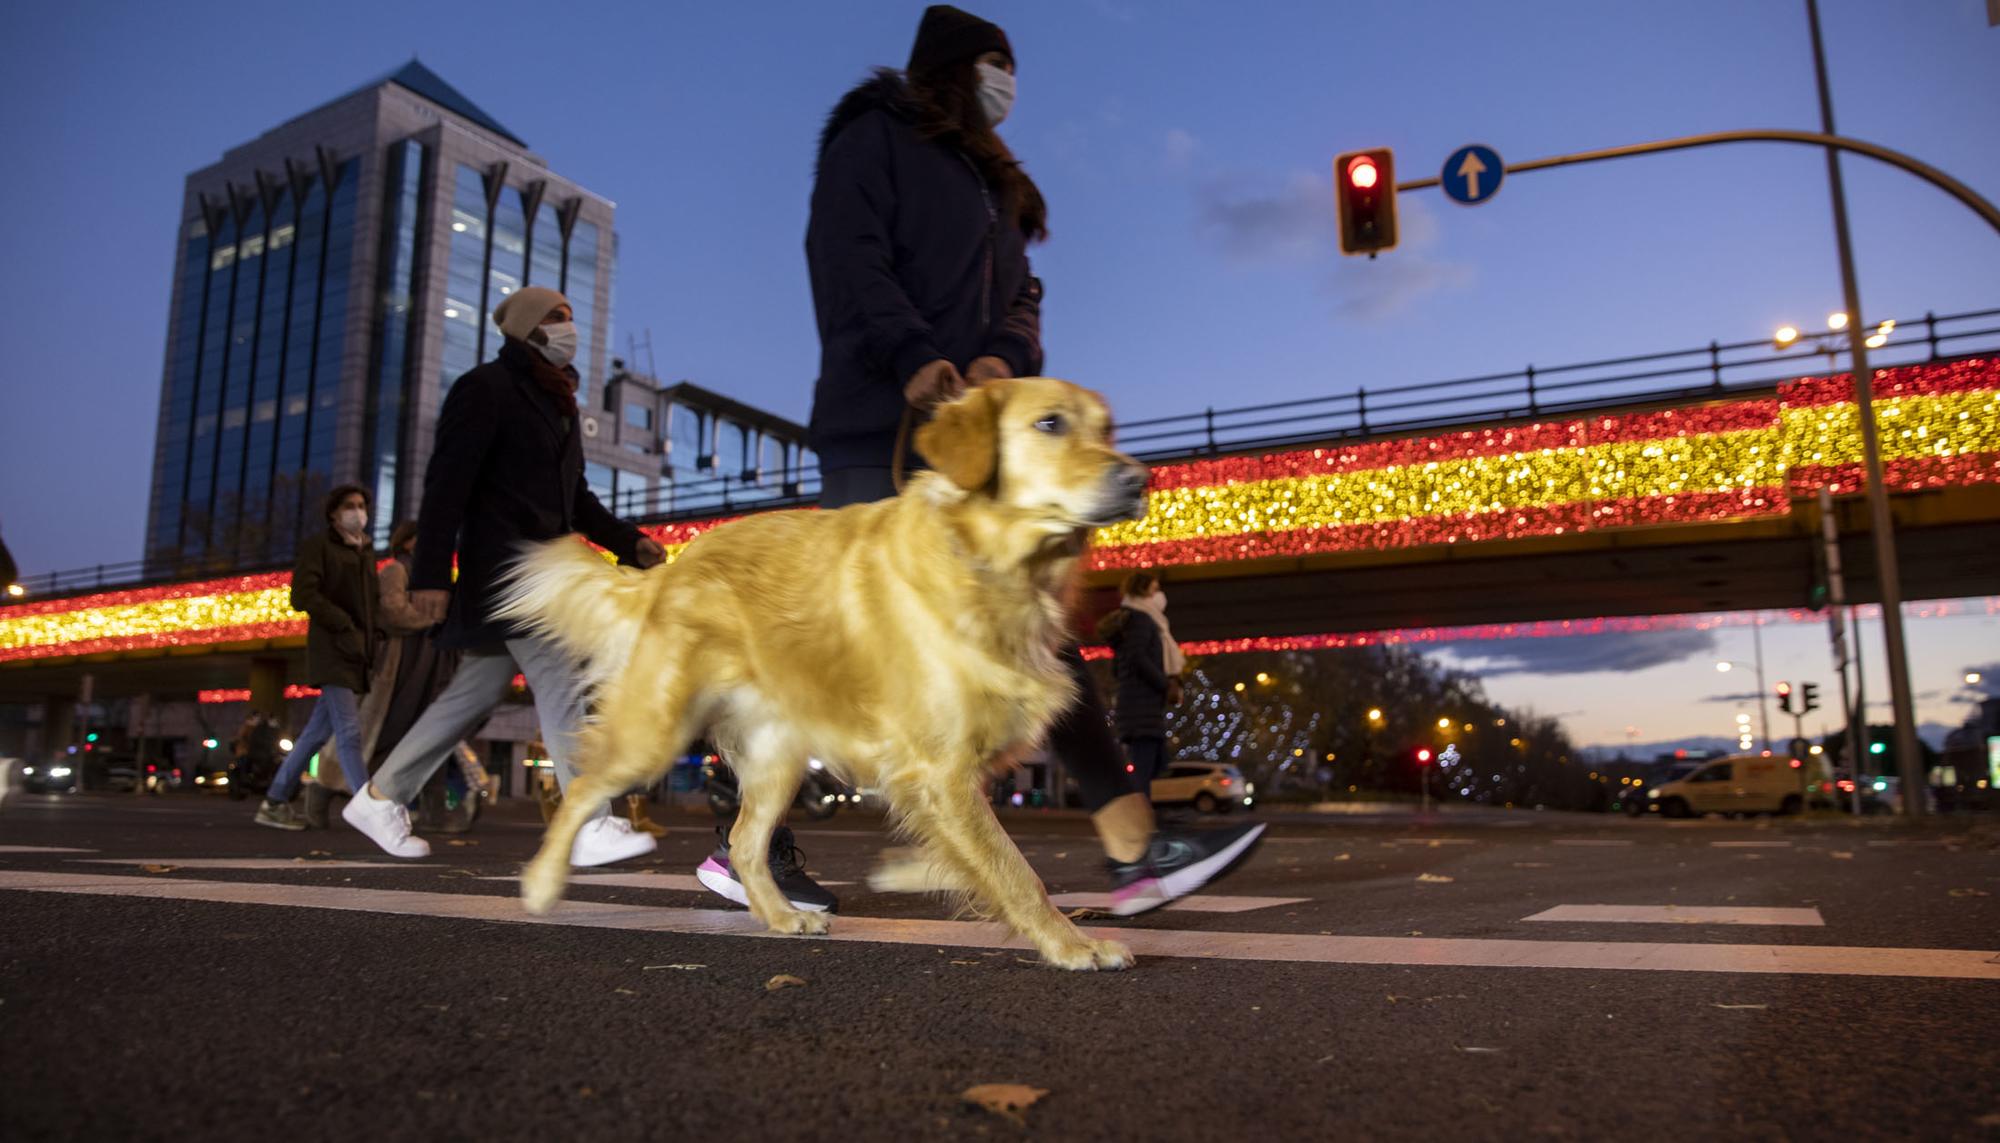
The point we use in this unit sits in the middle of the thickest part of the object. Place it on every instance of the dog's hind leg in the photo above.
(958, 826)
(769, 770)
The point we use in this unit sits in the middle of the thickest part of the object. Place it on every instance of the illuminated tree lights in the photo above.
(1940, 427)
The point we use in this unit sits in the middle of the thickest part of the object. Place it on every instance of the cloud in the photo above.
(1741, 696)
(1585, 654)
(1293, 223)
(1180, 149)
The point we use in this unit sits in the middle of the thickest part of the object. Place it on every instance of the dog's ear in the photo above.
(962, 440)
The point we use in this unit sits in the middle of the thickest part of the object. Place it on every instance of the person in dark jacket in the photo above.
(507, 471)
(917, 249)
(333, 582)
(1147, 664)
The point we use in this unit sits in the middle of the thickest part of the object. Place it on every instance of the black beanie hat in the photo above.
(949, 34)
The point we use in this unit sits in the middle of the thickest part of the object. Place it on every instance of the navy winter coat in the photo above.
(912, 259)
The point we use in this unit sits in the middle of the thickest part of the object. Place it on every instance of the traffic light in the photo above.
(1364, 188)
(91, 737)
(1423, 756)
(1878, 747)
(1808, 698)
(1785, 698)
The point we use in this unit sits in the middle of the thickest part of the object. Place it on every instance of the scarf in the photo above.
(1153, 606)
(559, 382)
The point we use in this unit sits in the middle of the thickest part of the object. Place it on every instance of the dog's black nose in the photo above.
(1132, 479)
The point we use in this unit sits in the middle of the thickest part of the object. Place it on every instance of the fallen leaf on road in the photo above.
(1740, 1007)
(1433, 879)
(1393, 998)
(1953, 892)
(1324, 1060)
(1343, 857)
(159, 868)
(319, 853)
(680, 967)
(1004, 1099)
(1060, 856)
(1488, 1051)
(1843, 855)
(460, 841)
(973, 962)
(1531, 865)
(783, 980)
(626, 991)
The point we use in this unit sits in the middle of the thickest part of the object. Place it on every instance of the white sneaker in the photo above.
(608, 839)
(385, 823)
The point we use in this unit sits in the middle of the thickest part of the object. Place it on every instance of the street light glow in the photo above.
(1973, 676)
(1836, 321)
(1375, 712)
(1786, 335)
(1444, 724)
(16, 590)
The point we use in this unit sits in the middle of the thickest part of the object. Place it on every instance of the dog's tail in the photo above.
(572, 596)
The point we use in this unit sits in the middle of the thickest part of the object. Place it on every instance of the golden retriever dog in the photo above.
(909, 644)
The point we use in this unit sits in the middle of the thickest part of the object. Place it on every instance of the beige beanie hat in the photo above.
(521, 311)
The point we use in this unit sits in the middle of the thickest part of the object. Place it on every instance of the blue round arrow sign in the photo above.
(1472, 174)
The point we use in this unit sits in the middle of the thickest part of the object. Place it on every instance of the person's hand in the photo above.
(1176, 691)
(988, 368)
(431, 604)
(649, 552)
(933, 385)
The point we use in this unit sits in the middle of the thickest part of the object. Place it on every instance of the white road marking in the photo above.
(1680, 915)
(1199, 903)
(1811, 960)
(1591, 841)
(678, 882)
(1751, 844)
(255, 863)
(41, 849)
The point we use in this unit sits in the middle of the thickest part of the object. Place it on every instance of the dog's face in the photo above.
(1039, 446)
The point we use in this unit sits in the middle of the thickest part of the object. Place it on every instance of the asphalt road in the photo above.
(168, 971)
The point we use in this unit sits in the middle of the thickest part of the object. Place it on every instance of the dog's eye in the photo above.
(1052, 423)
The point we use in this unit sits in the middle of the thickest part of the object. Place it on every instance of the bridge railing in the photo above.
(1716, 369)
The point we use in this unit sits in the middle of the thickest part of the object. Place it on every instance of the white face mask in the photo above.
(561, 346)
(1160, 600)
(996, 93)
(351, 520)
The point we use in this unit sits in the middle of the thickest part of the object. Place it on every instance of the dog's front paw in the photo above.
(1091, 956)
(799, 923)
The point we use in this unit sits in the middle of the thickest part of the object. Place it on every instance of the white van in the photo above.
(1740, 784)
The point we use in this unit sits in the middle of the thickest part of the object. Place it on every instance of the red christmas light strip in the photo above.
(242, 694)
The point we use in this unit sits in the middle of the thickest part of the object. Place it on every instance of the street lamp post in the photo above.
(1908, 762)
(1763, 696)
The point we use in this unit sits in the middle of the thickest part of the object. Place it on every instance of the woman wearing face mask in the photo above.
(1147, 663)
(507, 472)
(333, 582)
(918, 252)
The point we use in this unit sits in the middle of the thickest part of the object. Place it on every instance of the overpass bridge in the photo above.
(1644, 486)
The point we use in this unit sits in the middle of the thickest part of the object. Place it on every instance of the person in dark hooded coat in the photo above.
(917, 249)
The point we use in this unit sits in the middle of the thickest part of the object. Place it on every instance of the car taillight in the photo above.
(150, 768)
(1225, 783)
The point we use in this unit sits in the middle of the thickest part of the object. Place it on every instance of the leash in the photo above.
(896, 466)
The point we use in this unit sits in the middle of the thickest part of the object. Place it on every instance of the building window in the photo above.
(639, 416)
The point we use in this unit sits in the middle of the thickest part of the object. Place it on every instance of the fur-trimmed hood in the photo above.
(884, 90)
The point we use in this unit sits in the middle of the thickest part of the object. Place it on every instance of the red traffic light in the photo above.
(1424, 756)
(1364, 188)
(1784, 688)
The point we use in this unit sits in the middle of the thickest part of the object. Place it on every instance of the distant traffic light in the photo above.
(1878, 748)
(1364, 188)
(91, 737)
(1808, 698)
(1423, 756)
(1785, 698)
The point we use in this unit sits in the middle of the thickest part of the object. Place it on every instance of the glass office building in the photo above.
(333, 277)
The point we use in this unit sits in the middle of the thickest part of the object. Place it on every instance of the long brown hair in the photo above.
(948, 112)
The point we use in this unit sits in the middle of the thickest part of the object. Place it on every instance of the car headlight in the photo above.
(27, 770)
(1652, 793)
(59, 771)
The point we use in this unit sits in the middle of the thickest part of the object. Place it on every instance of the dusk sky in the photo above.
(1184, 148)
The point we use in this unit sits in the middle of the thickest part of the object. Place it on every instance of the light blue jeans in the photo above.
(335, 716)
(479, 684)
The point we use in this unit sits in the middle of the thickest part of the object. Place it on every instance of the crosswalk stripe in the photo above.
(1200, 903)
(1819, 960)
(255, 863)
(1751, 844)
(1680, 915)
(42, 849)
(679, 882)
(1592, 841)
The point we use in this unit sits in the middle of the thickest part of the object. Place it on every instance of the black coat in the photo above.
(333, 582)
(912, 259)
(1137, 664)
(507, 472)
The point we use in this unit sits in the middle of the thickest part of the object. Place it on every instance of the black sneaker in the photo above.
(787, 868)
(1177, 863)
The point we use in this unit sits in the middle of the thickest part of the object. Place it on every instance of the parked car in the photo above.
(1739, 784)
(1211, 787)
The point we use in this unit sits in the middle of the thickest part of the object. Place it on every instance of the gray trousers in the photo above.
(478, 686)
